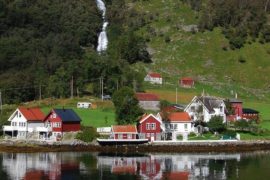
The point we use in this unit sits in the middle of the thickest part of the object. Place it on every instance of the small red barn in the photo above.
(124, 132)
(187, 82)
(149, 127)
(63, 120)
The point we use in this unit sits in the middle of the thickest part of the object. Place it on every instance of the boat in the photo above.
(104, 142)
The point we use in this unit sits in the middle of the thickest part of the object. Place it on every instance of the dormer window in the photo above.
(221, 109)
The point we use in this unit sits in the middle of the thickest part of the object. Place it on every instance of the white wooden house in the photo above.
(24, 122)
(177, 123)
(153, 78)
(206, 107)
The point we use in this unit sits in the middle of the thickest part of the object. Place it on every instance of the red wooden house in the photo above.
(124, 132)
(149, 127)
(63, 120)
(187, 82)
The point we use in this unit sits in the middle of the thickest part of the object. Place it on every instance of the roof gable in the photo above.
(146, 97)
(124, 129)
(32, 114)
(211, 103)
(145, 117)
(67, 115)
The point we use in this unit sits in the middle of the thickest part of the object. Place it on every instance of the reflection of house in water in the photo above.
(170, 166)
(42, 165)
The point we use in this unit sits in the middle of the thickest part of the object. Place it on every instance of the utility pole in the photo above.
(102, 88)
(176, 95)
(40, 93)
(71, 88)
(1, 105)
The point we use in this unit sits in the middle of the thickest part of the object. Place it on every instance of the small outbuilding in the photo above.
(187, 82)
(85, 105)
(153, 78)
(124, 132)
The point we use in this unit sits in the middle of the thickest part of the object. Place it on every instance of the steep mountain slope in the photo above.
(177, 50)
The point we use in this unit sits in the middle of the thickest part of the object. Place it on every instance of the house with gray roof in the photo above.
(205, 107)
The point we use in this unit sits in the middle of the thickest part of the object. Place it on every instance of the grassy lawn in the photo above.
(206, 136)
(249, 136)
(92, 117)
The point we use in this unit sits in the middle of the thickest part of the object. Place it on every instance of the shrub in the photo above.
(167, 39)
(87, 134)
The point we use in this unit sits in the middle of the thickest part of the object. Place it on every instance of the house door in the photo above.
(153, 137)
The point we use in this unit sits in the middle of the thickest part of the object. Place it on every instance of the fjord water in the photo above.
(76, 165)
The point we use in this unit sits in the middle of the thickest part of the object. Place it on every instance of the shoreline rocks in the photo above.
(178, 147)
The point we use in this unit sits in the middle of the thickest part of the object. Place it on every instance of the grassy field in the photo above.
(200, 55)
(92, 117)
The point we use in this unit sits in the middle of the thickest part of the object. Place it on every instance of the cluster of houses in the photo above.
(32, 123)
(156, 78)
(174, 120)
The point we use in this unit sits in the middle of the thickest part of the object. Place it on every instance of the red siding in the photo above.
(72, 126)
(124, 136)
(187, 82)
(238, 109)
(53, 119)
(142, 128)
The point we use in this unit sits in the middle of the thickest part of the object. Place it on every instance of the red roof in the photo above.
(124, 129)
(186, 79)
(32, 114)
(154, 75)
(179, 117)
(147, 97)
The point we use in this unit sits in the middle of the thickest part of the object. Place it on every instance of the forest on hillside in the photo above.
(46, 44)
(242, 21)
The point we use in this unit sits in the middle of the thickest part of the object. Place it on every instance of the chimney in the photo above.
(235, 95)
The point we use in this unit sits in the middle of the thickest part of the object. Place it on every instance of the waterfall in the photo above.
(102, 38)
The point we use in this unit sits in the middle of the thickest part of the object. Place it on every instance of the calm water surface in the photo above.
(74, 165)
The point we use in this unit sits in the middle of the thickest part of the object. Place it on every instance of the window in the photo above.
(221, 109)
(147, 134)
(120, 136)
(192, 108)
(175, 126)
(129, 136)
(185, 126)
(57, 124)
(153, 126)
(148, 126)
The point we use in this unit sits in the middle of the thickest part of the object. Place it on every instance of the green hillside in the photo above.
(177, 50)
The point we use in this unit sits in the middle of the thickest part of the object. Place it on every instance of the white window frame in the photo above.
(153, 126)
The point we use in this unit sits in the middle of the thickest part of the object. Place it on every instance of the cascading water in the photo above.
(102, 38)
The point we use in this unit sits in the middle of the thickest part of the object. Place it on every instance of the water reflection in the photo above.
(146, 166)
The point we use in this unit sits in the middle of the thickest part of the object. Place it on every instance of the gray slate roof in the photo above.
(211, 102)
